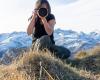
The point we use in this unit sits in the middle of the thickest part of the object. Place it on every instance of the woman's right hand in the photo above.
(34, 13)
(33, 16)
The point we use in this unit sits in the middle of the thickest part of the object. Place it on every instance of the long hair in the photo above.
(38, 5)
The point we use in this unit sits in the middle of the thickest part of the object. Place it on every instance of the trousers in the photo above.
(45, 42)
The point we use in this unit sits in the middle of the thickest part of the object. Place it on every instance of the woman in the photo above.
(43, 30)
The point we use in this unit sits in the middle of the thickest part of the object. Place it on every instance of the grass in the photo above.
(40, 65)
(90, 60)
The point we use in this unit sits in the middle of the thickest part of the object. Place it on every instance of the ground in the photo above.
(41, 65)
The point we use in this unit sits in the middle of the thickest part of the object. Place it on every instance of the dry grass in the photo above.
(90, 52)
(81, 55)
(42, 65)
(89, 60)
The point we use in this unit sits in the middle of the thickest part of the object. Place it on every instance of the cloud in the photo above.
(62, 2)
(83, 15)
(78, 14)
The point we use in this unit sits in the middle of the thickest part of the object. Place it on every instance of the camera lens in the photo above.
(43, 12)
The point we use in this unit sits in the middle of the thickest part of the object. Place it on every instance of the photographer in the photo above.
(43, 22)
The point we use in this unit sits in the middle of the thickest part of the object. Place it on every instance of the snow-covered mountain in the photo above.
(12, 44)
(76, 41)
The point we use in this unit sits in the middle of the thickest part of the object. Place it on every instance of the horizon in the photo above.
(76, 15)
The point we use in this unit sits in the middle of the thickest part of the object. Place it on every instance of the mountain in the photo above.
(76, 41)
(12, 44)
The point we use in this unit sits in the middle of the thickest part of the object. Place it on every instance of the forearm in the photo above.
(31, 26)
(47, 27)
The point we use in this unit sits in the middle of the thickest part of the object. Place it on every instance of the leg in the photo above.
(60, 51)
(43, 43)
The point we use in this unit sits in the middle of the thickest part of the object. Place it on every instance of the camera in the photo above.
(43, 12)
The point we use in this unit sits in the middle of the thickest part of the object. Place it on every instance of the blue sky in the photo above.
(78, 15)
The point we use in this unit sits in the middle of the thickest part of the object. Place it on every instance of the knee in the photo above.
(62, 52)
(45, 40)
(45, 37)
(66, 53)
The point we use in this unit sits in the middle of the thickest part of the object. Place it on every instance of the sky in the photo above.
(77, 15)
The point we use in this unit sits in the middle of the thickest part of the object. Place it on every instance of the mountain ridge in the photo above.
(70, 39)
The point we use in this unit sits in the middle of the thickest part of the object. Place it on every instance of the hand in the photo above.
(34, 13)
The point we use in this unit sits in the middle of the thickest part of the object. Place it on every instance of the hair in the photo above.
(38, 5)
(40, 2)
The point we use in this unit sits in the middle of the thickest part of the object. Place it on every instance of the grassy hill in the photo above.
(42, 65)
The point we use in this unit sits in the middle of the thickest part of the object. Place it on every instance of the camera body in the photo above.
(43, 12)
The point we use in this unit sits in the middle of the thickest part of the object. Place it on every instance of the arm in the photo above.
(31, 25)
(49, 26)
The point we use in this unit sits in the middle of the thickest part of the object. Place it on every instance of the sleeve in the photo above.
(50, 17)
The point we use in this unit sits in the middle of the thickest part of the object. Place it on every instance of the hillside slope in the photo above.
(44, 66)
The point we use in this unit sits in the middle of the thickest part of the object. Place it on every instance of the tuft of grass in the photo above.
(89, 60)
(81, 55)
(95, 50)
(87, 53)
